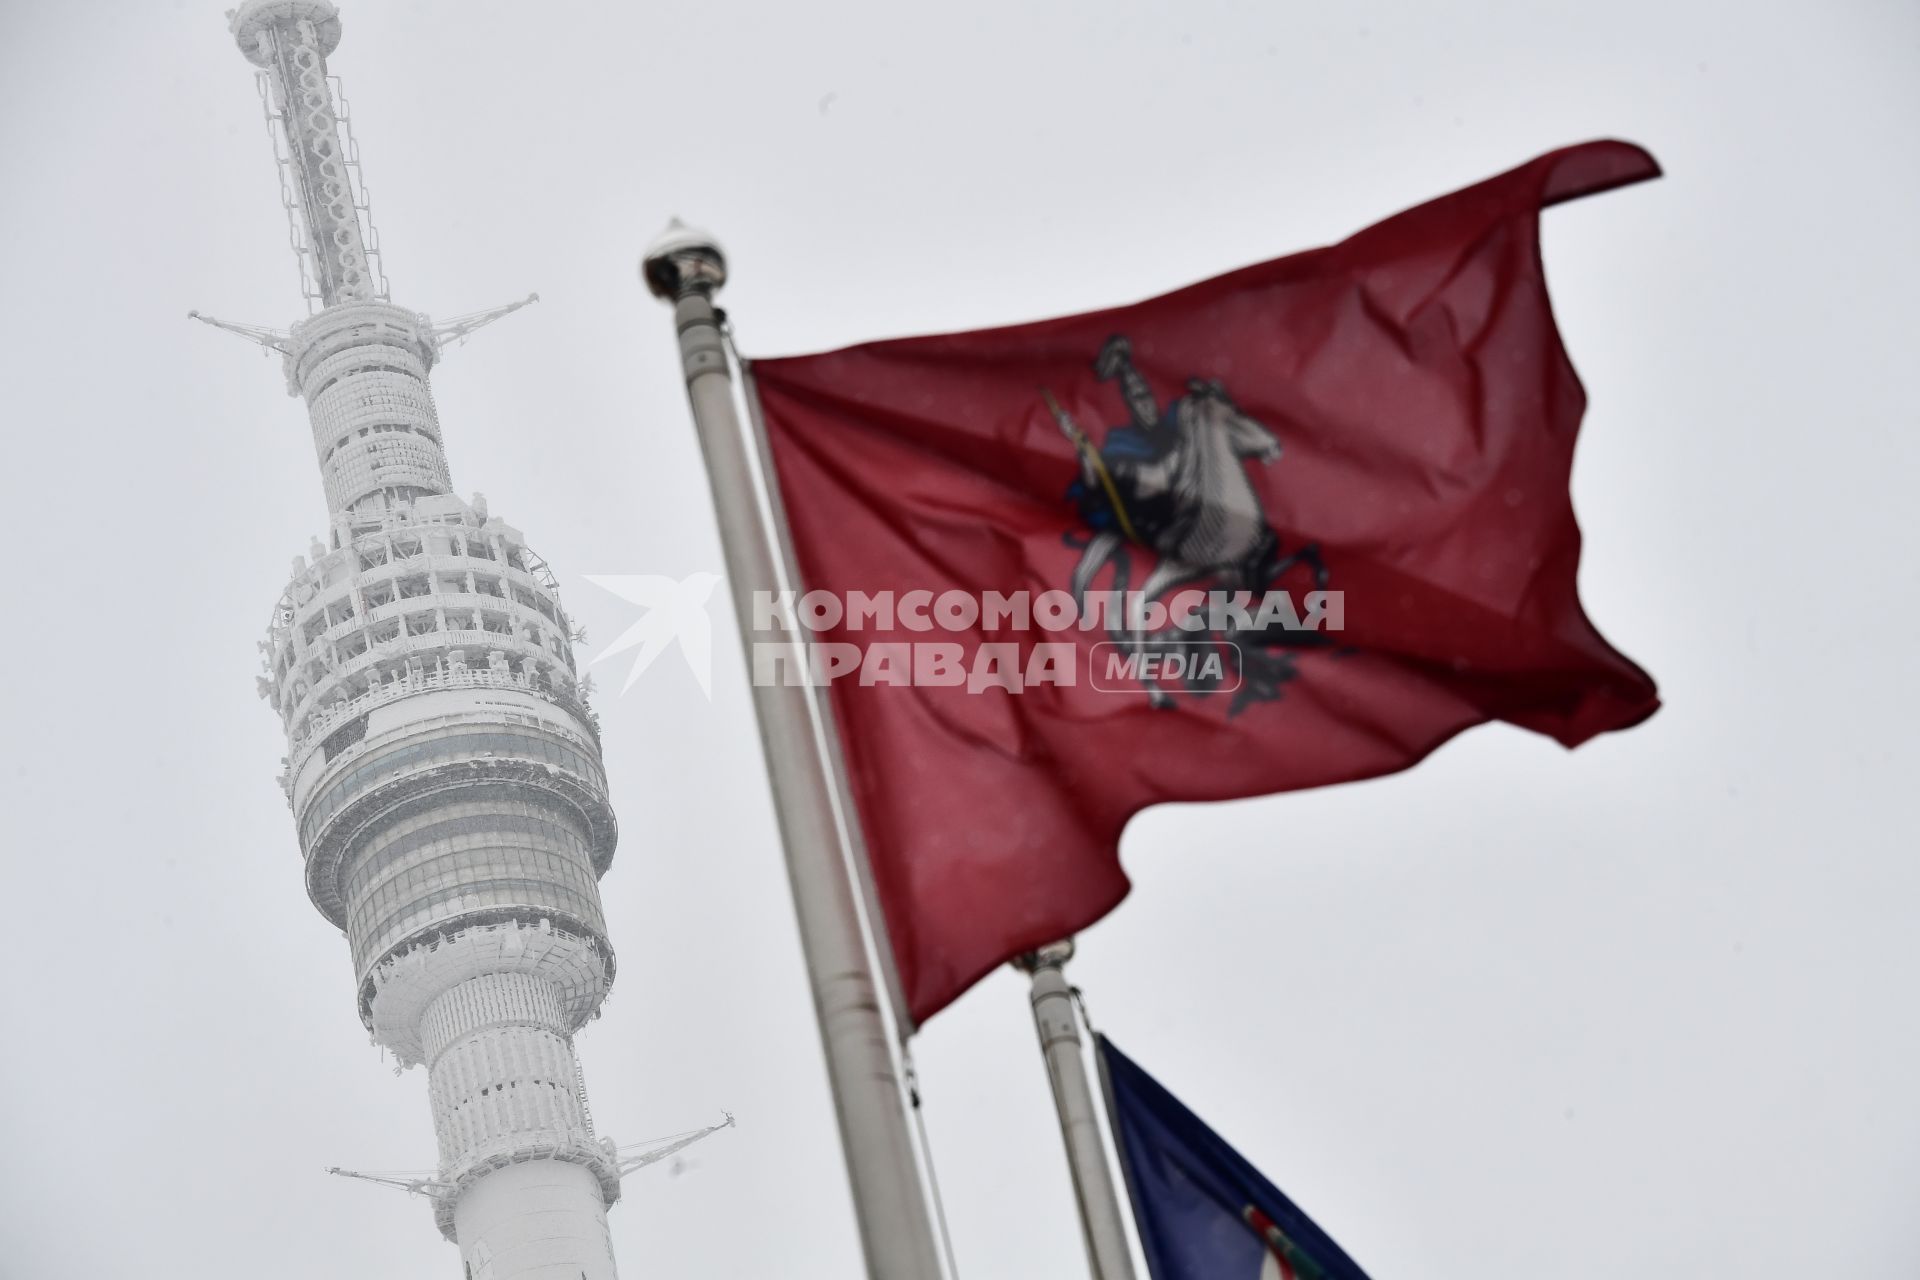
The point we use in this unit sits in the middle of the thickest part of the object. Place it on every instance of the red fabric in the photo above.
(1427, 415)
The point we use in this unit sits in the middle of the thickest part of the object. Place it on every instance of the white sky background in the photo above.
(1519, 1013)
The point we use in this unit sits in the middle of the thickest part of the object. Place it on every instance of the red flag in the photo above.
(1389, 421)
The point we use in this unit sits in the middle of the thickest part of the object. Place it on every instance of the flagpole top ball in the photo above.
(681, 260)
(1051, 956)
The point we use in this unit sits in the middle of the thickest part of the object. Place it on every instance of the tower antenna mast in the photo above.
(442, 764)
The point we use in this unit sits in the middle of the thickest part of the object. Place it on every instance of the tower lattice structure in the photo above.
(443, 768)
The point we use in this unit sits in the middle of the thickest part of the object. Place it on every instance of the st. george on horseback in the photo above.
(1174, 482)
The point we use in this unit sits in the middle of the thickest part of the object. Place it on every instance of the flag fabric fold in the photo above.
(1377, 435)
(1203, 1212)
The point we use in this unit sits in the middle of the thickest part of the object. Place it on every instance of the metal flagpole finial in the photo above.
(683, 260)
(1051, 956)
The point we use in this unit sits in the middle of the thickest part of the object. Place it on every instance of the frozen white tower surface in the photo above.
(443, 768)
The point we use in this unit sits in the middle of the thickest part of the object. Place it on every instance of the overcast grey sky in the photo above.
(1519, 1013)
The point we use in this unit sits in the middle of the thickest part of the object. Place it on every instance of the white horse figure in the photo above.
(1209, 525)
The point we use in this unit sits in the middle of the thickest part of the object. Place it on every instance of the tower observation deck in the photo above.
(443, 768)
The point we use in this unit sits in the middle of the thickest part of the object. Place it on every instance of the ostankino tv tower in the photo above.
(443, 768)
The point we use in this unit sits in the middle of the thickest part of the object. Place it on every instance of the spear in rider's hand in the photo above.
(1095, 463)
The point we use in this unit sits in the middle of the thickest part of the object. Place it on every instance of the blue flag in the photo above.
(1204, 1213)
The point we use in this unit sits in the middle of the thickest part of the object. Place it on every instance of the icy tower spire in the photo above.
(443, 769)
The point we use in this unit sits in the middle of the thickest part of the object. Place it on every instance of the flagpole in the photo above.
(685, 267)
(855, 849)
(1057, 1020)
